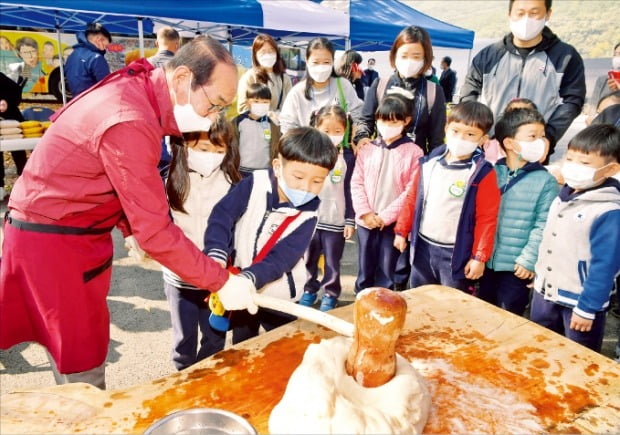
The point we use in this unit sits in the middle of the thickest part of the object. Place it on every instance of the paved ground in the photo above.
(140, 329)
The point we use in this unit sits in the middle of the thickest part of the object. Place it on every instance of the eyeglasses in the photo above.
(215, 108)
(30, 53)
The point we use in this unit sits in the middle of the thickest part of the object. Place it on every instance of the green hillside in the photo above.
(591, 26)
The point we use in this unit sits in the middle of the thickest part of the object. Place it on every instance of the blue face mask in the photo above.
(295, 196)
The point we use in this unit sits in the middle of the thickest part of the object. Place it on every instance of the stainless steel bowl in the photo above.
(201, 421)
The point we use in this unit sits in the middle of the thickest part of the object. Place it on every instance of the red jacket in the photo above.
(478, 218)
(89, 157)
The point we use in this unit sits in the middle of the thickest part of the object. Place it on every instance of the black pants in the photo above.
(189, 314)
(331, 245)
(20, 159)
(505, 290)
(245, 325)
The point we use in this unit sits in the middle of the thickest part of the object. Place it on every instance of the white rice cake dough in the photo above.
(321, 398)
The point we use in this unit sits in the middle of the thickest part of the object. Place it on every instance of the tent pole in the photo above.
(347, 44)
(141, 36)
(61, 62)
(230, 40)
(469, 58)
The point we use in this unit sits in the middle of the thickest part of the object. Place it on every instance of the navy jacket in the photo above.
(467, 236)
(431, 122)
(85, 66)
(447, 81)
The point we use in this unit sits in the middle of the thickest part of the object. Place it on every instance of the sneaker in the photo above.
(328, 302)
(308, 299)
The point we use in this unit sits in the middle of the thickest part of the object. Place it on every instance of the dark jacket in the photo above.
(85, 66)
(358, 85)
(11, 92)
(552, 76)
(611, 115)
(447, 81)
(252, 205)
(161, 58)
(429, 132)
(370, 75)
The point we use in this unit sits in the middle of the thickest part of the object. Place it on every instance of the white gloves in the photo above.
(135, 251)
(238, 294)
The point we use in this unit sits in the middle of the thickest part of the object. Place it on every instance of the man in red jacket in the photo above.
(96, 168)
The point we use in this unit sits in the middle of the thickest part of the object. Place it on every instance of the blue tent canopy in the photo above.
(70, 21)
(242, 19)
(375, 23)
(372, 25)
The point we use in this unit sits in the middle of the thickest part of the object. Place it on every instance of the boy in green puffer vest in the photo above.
(527, 191)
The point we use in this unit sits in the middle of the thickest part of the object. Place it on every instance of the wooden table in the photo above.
(488, 370)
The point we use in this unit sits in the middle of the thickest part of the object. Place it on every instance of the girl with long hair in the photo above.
(204, 166)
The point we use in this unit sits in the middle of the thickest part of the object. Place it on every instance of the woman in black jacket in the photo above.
(10, 98)
(410, 56)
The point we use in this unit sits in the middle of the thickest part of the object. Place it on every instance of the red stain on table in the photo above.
(470, 356)
(231, 384)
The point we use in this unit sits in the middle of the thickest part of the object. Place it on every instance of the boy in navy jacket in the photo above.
(243, 222)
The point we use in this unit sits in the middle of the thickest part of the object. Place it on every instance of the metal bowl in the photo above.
(201, 421)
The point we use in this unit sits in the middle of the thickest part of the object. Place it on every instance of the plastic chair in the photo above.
(37, 113)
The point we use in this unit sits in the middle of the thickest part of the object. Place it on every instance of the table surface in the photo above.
(488, 371)
(18, 144)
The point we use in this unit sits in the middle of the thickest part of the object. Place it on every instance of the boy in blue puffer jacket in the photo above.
(527, 191)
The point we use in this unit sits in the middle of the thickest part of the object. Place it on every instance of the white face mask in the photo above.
(267, 60)
(259, 109)
(408, 67)
(428, 72)
(527, 28)
(388, 131)
(320, 73)
(204, 162)
(615, 62)
(579, 176)
(460, 147)
(186, 117)
(532, 151)
(336, 140)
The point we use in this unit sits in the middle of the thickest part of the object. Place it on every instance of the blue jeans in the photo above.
(432, 264)
(190, 313)
(557, 318)
(331, 244)
(505, 290)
